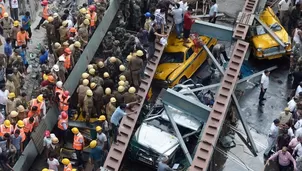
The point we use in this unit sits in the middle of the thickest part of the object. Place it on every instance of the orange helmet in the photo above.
(45, 2)
(67, 50)
(72, 30)
(92, 8)
(64, 115)
(66, 93)
(51, 79)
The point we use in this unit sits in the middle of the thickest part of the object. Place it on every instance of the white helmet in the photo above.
(61, 58)
(59, 84)
(56, 68)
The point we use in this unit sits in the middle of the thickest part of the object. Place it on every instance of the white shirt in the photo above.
(53, 164)
(298, 124)
(264, 81)
(183, 6)
(213, 9)
(284, 6)
(273, 131)
(47, 142)
(3, 97)
(14, 3)
(290, 132)
(177, 15)
(292, 105)
(299, 89)
(296, 36)
(298, 148)
(101, 139)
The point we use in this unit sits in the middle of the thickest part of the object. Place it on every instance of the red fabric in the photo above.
(188, 22)
(45, 83)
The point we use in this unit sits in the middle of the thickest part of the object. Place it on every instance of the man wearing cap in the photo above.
(63, 30)
(98, 93)
(88, 106)
(50, 33)
(148, 21)
(45, 13)
(14, 33)
(6, 23)
(81, 16)
(83, 33)
(285, 116)
(135, 66)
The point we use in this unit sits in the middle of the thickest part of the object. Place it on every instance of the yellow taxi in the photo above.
(265, 46)
(179, 62)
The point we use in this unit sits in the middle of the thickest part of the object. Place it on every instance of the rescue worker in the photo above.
(119, 95)
(93, 18)
(46, 143)
(67, 164)
(76, 54)
(95, 78)
(85, 75)
(126, 82)
(96, 155)
(81, 16)
(98, 93)
(78, 145)
(130, 96)
(14, 32)
(108, 82)
(17, 78)
(62, 70)
(63, 30)
(135, 66)
(88, 105)
(110, 107)
(113, 64)
(101, 68)
(58, 89)
(101, 138)
(54, 149)
(57, 22)
(45, 13)
(6, 23)
(58, 51)
(6, 127)
(218, 50)
(63, 126)
(22, 113)
(39, 102)
(83, 33)
(35, 113)
(22, 37)
(67, 63)
(9, 85)
(64, 101)
(82, 89)
(11, 103)
(107, 96)
(50, 33)
(20, 126)
(102, 122)
(13, 117)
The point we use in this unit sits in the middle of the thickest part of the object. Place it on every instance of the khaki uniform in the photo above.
(10, 86)
(81, 94)
(119, 97)
(63, 34)
(83, 35)
(58, 52)
(135, 66)
(128, 98)
(80, 19)
(284, 118)
(12, 120)
(110, 108)
(88, 107)
(57, 22)
(7, 26)
(50, 34)
(11, 106)
(98, 94)
(17, 82)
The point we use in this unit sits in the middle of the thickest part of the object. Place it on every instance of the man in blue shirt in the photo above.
(26, 22)
(8, 50)
(96, 155)
(44, 56)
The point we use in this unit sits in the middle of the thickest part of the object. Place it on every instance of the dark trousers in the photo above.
(27, 139)
(284, 168)
(79, 157)
(212, 20)
(29, 32)
(151, 50)
(62, 135)
(14, 43)
(114, 132)
(14, 13)
(261, 95)
(40, 23)
(49, 45)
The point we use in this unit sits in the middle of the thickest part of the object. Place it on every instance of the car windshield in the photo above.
(162, 125)
(274, 27)
(172, 57)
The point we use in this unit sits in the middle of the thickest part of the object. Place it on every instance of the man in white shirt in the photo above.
(178, 16)
(272, 136)
(284, 12)
(14, 9)
(264, 85)
(213, 11)
(299, 89)
(3, 99)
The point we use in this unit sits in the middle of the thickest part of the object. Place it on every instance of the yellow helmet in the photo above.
(112, 59)
(87, 16)
(122, 78)
(91, 71)
(57, 45)
(93, 144)
(65, 161)
(83, 10)
(13, 114)
(131, 90)
(106, 75)
(121, 89)
(6, 123)
(75, 130)
(55, 140)
(121, 83)
(139, 53)
(85, 75)
(45, 169)
(11, 95)
(112, 100)
(5, 14)
(77, 44)
(64, 23)
(89, 93)
(86, 22)
(85, 82)
(50, 19)
(101, 64)
(98, 128)
(107, 91)
(128, 58)
(90, 66)
(40, 98)
(92, 85)
(102, 118)
(16, 23)
(122, 68)
(20, 124)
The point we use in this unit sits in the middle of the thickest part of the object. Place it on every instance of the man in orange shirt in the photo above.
(22, 37)
(45, 13)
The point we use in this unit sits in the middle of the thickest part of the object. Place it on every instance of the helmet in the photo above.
(98, 128)
(55, 140)
(75, 130)
(68, 51)
(85, 75)
(5, 14)
(87, 16)
(121, 83)
(86, 22)
(92, 8)
(112, 59)
(102, 118)
(139, 53)
(56, 68)
(66, 93)
(287, 109)
(65, 161)
(6, 123)
(20, 124)
(107, 91)
(40, 98)
(55, 15)
(50, 19)
(90, 66)
(93, 144)
(64, 23)
(45, 169)
(44, 2)
(101, 64)
(65, 43)
(131, 90)
(112, 100)
(85, 82)
(51, 79)
(11, 95)
(47, 133)
(83, 10)
(92, 85)
(61, 58)
(128, 58)
(122, 78)
(72, 30)
(89, 93)
(106, 75)
(121, 89)
(20, 108)
(77, 44)
(57, 45)
(59, 84)
(92, 71)
(16, 23)
(122, 68)
(64, 115)
(13, 114)
(147, 14)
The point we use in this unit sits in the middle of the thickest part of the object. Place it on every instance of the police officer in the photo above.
(50, 33)
(83, 33)
(108, 82)
(63, 30)
(82, 89)
(77, 52)
(88, 105)
(98, 93)
(135, 66)
(7, 23)
(130, 96)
